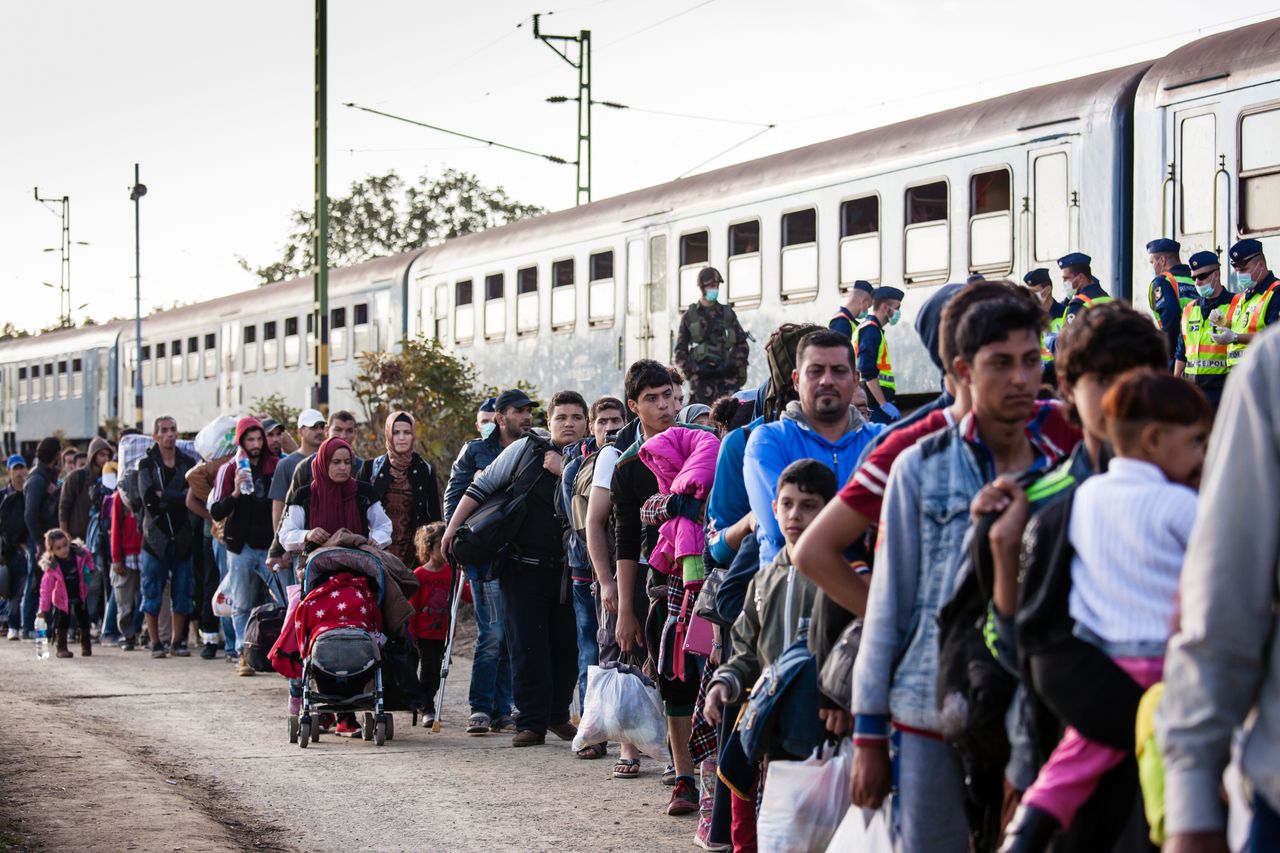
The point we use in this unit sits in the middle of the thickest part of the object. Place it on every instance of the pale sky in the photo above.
(215, 102)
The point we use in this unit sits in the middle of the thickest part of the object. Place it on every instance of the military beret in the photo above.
(1037, 277)
(865, 287)
(709, 276)
(1244, 250)
(1202, 262)
(888, 293)
(1075, 259)
(1162, 246)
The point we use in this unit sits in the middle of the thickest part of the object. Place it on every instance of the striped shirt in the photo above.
(1129, 528)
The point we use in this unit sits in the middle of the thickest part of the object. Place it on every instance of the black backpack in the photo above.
(260, 634)
(486, 534)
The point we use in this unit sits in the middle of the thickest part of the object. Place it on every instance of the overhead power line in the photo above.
(732, 147)
(489, 142)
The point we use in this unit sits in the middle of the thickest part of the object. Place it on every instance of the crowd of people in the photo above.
(980, 598)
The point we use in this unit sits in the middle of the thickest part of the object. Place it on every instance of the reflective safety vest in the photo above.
(1055, 328)
(1204, 357)
(1180, 283)
(845, 314)
(883, 364)
(1090, 301)
(1248, 315)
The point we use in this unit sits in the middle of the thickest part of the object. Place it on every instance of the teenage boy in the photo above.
(166, 536)
(920, 549)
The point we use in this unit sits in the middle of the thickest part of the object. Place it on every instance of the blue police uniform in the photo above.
(844, 321)
(1088, 296)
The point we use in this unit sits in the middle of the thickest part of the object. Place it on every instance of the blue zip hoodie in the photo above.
(774, 446)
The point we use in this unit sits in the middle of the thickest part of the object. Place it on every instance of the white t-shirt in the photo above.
(606, 461)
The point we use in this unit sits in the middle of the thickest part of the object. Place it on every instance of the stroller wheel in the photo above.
(380, 733)
(304, 733)
(391, 727)
(293, 728)
(368, 726)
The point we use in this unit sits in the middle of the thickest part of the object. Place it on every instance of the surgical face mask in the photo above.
(109, 481)
(487, 429)
(1205, 290)
(1246, 280)
(713, 294)
(895, 317)
(862, 316)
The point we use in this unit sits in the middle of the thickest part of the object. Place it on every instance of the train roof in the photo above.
(1026, 110)
(61, 342)
(1213, 63)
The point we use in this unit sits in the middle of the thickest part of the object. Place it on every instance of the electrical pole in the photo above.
(320, 276)
(583, 66)
(64, 254)
(138, 190)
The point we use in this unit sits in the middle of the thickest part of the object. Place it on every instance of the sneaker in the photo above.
(209, 652)
(232, 657)
(528, 739)
(129, 644)
(684, 799)
(180, 650)
(326, 722)
(669, 775)
(244, 668)
(14, 634)
(505, 723)
(564, 731)
(478, 724)
(701, 840)
(157, 651)
(347, 726)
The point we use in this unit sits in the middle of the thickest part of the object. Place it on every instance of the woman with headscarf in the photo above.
(334, 500)
(405, 484)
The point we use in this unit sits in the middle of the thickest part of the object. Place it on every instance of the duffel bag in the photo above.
(260, 634)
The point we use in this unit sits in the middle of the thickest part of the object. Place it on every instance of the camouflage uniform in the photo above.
(711, 351)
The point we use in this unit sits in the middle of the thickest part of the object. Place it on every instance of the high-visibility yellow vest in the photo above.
(1055, 327)
(1248, 315)
(1204, 356)
(1177, 282)
(883, 365)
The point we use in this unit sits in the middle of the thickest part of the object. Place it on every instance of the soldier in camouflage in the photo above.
(711, 347)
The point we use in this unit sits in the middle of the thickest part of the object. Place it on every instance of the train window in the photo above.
(22, 384)
(193, 359)
(859, 240)
(800, 253)
(337, 334)
(210, 355)
(146, 365)
(77, 377)
(600, 288)
(64, 379)
(162, 364)
(495, 307)
(464, 316)
(311, 338)
(48, 381)
(743, 273)
(991, 221)
(292, 343)
(270, 345)
(1260, 171)
(440, 312)
(927, 239)
(249, 350)
(1051, 206)
(175, 360)
(694, 255)
(1197, 164)
(564, 301)
(361, 335)
(526, 300)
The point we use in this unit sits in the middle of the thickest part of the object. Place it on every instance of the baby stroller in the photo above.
(342, 666)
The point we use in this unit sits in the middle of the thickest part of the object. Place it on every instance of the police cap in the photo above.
(888, 293)
(864, 287)
(1163, 246)
(1075, 259)
(1037, 277)
(1244, 250)
(1203, 262)
(709, 276)
(489, 405)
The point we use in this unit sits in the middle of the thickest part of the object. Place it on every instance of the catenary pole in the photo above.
(583, 67)
(320, 273)
(136, 194)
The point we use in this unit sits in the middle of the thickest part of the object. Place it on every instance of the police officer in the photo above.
(1255, 307)
(1040, 284)
(1085, 289)
(1197, 356)
(873, 354)
(1172, 290)
(711, 346)
(854, 311)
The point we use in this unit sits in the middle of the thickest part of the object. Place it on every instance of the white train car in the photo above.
(999, 187)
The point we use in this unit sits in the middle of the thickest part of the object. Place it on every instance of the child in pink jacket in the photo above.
(684, 463)
(66, 566)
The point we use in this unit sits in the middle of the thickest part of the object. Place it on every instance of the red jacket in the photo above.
(431, 603)
(344, 600)
(126, 540)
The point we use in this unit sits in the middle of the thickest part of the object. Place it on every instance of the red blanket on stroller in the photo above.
(344, 600)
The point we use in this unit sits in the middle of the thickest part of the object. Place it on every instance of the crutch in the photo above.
(448, 646)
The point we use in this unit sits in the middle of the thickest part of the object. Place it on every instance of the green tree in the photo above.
(10, 332)
(275, 406)
(383, 215)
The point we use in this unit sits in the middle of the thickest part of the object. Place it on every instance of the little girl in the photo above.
(1129, 529)
(66, 566)
(430, 624)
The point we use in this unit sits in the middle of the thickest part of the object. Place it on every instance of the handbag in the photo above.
(835, 679)
(705, 605)
(700, 635)
(486, 534)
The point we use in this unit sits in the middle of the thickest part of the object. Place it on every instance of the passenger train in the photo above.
(1187, 146)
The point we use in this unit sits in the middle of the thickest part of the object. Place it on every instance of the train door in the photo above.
(229, 400)
(1190, 213)
(1051, 218)
(647, 322)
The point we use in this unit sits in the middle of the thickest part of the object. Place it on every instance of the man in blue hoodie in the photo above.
(820, 425)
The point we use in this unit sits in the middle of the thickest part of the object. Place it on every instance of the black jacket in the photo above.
(13, 523)
(165, 517)
(476, 455)
(248, 516)
(426, 491)
(40, 504)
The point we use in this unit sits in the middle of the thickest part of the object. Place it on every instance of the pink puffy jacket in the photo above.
(684, 461)
(53, 588)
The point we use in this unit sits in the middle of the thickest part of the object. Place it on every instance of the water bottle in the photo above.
(246, 487)
(42, 639)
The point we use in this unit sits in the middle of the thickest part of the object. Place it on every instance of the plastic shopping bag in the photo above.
(805, 801)
(223, 606)
(861, 832)
(622, 705)
(217, 439)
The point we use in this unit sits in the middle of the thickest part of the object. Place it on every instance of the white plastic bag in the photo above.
(223, 605)
(804, 801)
(622, 705)
(217, 439)
(860, 833)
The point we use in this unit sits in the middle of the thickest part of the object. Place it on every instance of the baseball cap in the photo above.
(306, 418)
(15, 461)
(270, 425)
(513, 398)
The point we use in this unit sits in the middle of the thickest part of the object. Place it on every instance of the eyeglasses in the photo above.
(1240, 266)
(1202, 276)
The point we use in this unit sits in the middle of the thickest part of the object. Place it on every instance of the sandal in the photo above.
(593, 750)
(626, 768)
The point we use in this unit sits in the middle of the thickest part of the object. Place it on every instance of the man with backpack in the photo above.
(13, 541)
(40, 511)
(531, 571)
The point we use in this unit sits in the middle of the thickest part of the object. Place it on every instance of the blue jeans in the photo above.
(109, 628)
(584, 613)
(249, 579)
(31, 595)
(220, 556)
(1265, 832)
(491, 663)
(182, 583)
(17, 586)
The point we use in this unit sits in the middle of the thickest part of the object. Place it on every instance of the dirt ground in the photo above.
(121, 752)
